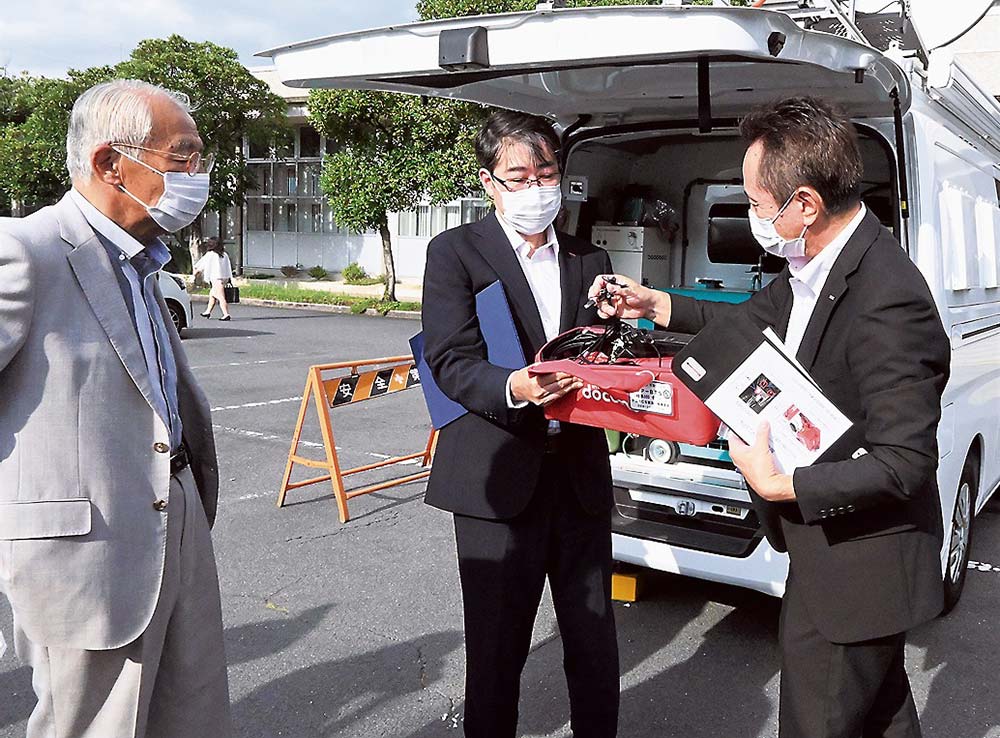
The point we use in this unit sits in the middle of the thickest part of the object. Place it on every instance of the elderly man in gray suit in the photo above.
(108, 476)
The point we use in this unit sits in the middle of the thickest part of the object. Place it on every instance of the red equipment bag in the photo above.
(629, 384)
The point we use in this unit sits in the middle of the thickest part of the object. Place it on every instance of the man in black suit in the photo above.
(531, 498)
(862, 526)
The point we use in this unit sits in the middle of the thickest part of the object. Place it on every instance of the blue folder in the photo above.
(503, 348)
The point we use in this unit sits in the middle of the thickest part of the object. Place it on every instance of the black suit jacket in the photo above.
(487, 462)
(864, 535)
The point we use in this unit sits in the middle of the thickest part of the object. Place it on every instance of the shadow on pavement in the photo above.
(358, 693)
(257, 640)
(194, 334)
(390, 502)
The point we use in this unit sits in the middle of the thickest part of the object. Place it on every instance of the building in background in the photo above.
(288, 221)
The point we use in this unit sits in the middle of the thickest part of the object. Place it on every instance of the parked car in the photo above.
(647, 100)
(178, 301)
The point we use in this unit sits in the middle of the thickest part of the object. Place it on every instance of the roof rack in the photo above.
(881, 30)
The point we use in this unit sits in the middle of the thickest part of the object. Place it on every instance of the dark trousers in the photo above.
(503, 566)
(840, 690)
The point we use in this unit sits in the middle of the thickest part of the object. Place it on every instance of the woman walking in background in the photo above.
(217, 270)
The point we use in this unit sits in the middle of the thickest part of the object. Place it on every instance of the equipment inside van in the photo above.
(647, 100)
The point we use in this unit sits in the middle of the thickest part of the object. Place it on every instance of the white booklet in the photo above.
(767, 384)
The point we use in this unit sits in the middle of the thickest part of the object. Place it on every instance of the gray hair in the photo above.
(112, 111)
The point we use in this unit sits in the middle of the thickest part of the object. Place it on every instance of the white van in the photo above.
(647, 100)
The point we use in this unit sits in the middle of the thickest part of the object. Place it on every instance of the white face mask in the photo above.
(533, 210)
(184, 197)
(771, 241)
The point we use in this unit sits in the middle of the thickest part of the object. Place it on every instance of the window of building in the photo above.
(258, 214)
(308, 142)
(286, 196)
(284, 145)
(423, 220)
(259, 150)
(310, 216)
(428, 221)
(408, 223)
(474, 210)
(330, 225)
(285, 179)
(285, 216)
(308, 178)
(261, 174)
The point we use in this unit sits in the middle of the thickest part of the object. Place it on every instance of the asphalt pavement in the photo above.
(355, 630)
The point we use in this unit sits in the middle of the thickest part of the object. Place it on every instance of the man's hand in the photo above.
(542, 389)
(628, 299)
(756, 463)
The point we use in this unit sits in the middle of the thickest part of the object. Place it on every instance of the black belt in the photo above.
(179, 461)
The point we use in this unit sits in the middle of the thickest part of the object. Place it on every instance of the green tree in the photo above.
(34, 116)
(229, 104)
(395, 150)
(14, 109)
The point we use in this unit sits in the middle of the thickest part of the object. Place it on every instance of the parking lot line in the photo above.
(280, 360)
(297, 398)
(264, 436)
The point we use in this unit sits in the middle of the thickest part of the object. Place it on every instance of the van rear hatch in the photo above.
(614, 65)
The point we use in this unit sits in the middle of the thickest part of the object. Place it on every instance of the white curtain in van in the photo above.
(987, 235)
(959, 237)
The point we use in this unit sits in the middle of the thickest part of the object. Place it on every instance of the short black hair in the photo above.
(508, 126)
(807, 141)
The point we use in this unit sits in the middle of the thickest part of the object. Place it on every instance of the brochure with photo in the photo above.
(766, 386)
(754, 379)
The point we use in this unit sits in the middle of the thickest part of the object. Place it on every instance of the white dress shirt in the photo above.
(541, 270)
(807, 282)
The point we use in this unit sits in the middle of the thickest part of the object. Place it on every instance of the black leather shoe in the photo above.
(226, 317)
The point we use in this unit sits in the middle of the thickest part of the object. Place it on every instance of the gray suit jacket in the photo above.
(81, 544)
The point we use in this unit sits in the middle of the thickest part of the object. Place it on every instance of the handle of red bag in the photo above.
(597, 383)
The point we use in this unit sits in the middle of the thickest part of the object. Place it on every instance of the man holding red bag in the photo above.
(531, 498)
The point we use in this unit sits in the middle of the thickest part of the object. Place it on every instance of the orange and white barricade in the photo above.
(362, 380)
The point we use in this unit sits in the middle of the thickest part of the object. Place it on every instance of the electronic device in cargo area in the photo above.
(642, 253)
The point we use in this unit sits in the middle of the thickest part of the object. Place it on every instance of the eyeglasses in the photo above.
(517, 184)
(773, 218)
(196, 163)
